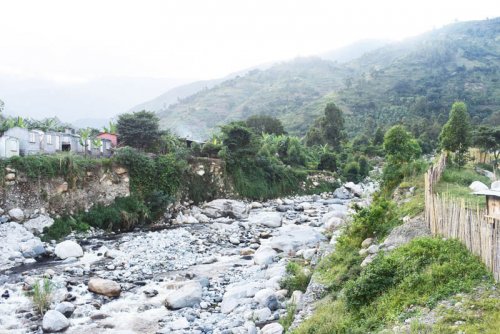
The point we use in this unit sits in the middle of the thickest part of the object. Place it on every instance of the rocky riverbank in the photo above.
(217, 270)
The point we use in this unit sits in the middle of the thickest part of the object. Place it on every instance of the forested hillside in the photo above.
(415, 81)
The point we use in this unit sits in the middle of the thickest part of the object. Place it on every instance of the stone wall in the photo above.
(58, 196)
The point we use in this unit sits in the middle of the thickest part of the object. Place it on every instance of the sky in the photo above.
(74, 41)
(98, 58)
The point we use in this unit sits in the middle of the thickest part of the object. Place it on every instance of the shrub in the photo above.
(41, 295)
(351, 171)
(297, 278)
(328, 161)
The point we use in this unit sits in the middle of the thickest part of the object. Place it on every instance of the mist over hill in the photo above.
(416, 79)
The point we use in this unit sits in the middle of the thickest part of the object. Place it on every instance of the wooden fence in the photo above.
(451, 218)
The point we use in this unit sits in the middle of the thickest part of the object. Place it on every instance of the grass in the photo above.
(41, 295)
(455, 183)
(287, 320)
(420, 273)
(415, 204)
(296, 278)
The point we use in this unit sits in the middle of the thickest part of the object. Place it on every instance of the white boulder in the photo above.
(188, 295)
(67, 249)
(16, 214)
(54, 321)
(36, 225)
(264, 255)
(269, 219)
(225, 208)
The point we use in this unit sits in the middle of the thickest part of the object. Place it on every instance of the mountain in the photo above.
(354, 50)
(415, 80)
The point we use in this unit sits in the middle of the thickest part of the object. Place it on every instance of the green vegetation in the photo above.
(413, 82)
(122, 215)
(488, 140)
(139, 129)
(416, 274)
(455, 184)
(297, 278)
(328, 129)
(41, 295)
(287, 320)
(456, 134)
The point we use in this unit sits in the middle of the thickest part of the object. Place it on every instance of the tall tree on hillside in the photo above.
(328, 129)
(400, 146)
(140, 129)
(265, 124)
(456, 133)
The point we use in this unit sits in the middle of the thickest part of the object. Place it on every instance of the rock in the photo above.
(150, 292)
(6, 294)
(36, 225)
(308, 253)
(54, 321)
(62, 188)
(333, 223)
(274, 328)
(114, 253)
(255, 205)
(478, 186)
(367, 242)
(262, 314)
(294, 237)
(296, 298)
(188, 295)
(68, 249)
(234, 240)
(16, 214)
(410, 230)
(267, 298)
(104, 287)
(228, 305)
(355, 189)
(16, 243)
(342, 193)
(225, 208)
(264, 255)
(202, 218)
(181, 323)
(120, 170)
(10, 177)
(65, 308)
(373, 249)
(269, 219)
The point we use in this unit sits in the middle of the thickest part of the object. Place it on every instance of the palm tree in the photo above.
(84, 139)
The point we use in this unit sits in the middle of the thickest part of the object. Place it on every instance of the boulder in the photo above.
(228, 305)
(264, 255)
(274, 328)
(296, 298)
(261, 315)
(188, 295)
(294, 237)
(225, 208)
(373, 249)
(242, 290)
(104, 287)
(267, 298)
(342, 193)
(10, 177)
(16, 214)
(120, 170)
(54, 321)
(65, 308)
(269, 219)
(367, 242)
(36, 225)
(355, 189)
(62, 188)
(15, 243)
(68, 249)
(478, 186)
(181, 323)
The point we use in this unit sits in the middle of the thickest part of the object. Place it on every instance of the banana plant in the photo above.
(84, 139)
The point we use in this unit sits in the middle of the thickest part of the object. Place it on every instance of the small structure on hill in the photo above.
(9, 147)
(492, 200)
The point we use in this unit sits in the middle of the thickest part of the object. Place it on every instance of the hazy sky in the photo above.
(70, 41)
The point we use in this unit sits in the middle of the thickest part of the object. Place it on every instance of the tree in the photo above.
(334, 125)
(140, 129)
(456, 133)
(265, 124)
(400, 146)
(328, 129)
(84, 139)
(488, 140)
(378, 137)
(111, 128)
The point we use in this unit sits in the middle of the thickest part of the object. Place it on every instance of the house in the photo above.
(70, 142)
(9, 146)
(113, 138)
(30, 141)
(51, 142)
(492, 200)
